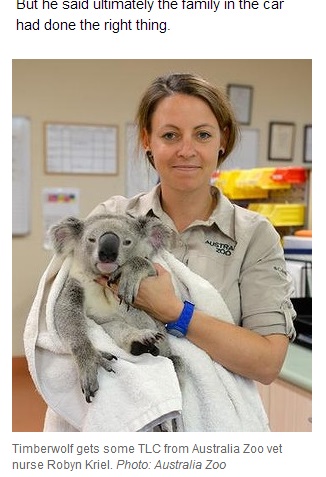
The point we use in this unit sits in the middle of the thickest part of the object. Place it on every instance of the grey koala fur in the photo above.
(120, 248)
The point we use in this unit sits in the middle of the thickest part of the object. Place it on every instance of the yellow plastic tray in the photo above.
(281, 214)
(234, 188)
(260, 178)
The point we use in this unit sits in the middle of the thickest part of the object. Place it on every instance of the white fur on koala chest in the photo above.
(99, 301)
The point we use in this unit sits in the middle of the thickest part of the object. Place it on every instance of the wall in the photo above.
(107, 92)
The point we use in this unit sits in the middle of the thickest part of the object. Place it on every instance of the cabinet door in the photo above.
(290, 408)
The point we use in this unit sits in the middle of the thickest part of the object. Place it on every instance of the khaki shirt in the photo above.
(238, 251)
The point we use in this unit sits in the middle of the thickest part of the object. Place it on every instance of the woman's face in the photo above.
(185, 141)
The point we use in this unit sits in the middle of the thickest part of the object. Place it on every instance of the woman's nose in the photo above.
(187, 148)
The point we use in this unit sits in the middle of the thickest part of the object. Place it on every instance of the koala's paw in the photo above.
(147, 343)
(88, 375)
(114, 276)
(104, 360)
(129, 276)
(89, 384)
(128, 290)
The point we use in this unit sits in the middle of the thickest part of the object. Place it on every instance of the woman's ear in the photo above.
(225, 134)
(147, 148)
(145, 140)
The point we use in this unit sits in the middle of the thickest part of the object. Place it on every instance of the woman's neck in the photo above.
(184, 208)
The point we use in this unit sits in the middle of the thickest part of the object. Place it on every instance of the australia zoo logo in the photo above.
(223, 248)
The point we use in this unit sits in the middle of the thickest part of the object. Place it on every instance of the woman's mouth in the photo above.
(187, 168)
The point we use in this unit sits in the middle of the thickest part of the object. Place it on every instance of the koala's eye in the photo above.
(91, 239)
(127, 242)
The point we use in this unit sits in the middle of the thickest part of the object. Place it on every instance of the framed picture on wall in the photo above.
(241, 100)
(281, 141)
(307, 143)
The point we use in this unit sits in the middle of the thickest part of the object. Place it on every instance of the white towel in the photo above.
(133, 398)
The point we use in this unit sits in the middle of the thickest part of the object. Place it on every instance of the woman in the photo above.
(187, 129)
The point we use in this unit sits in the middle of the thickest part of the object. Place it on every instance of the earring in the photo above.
(150, 158)
(219, 157)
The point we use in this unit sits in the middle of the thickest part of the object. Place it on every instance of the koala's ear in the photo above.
(154, 231)
(64, 234)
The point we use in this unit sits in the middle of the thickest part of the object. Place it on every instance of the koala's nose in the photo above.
(108, 247)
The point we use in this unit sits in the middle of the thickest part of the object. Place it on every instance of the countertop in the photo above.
(297, 368)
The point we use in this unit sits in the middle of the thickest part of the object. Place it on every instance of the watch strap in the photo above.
(180, 327)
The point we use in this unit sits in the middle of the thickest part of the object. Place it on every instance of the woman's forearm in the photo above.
(239, 350)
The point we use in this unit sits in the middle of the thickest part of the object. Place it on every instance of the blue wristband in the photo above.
(179, 328)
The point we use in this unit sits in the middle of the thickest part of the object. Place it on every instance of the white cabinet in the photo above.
(288, 407)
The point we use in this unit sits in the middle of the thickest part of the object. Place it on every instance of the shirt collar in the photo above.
(223, 215)
(147, 203)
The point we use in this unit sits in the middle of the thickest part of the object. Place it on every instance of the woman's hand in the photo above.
(156, 295)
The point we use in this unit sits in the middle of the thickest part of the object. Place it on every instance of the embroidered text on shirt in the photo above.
(281, 270)
(223, 248)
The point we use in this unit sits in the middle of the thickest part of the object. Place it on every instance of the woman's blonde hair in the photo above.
(192, 85)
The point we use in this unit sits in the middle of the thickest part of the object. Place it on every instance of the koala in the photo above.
(119, 248)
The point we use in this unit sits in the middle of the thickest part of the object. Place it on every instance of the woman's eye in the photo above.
(204, 135)
(169, 136)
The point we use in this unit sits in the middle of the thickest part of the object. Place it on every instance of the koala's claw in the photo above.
(89, 387)
(108, 356)
(147, 344)
(122, 300)
(89, 381)
(88, 395)
(138, 348)
(151, 339)
(159, 336)
(127, 294)
(114, 277)
(104, 361)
